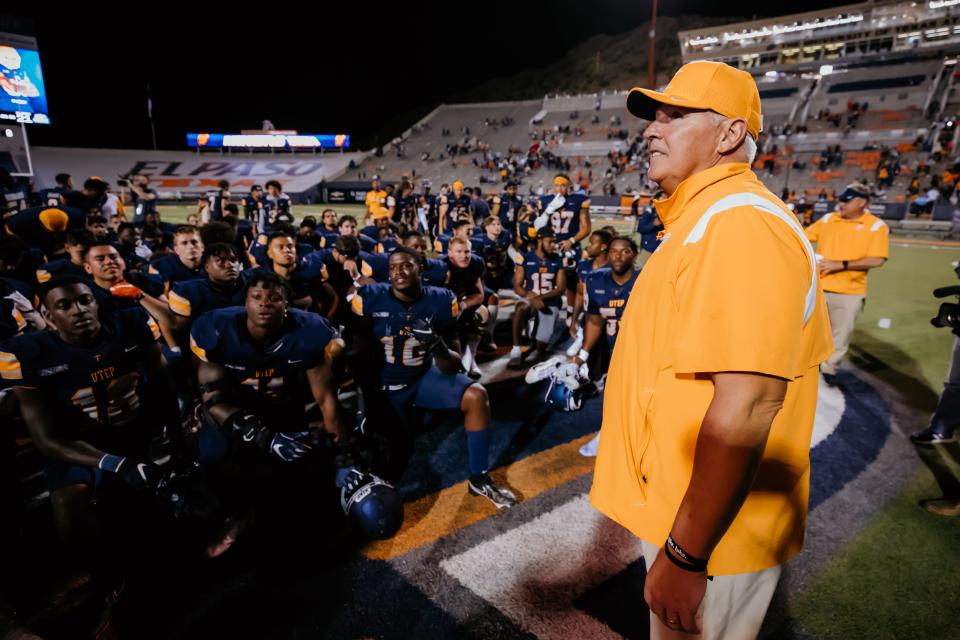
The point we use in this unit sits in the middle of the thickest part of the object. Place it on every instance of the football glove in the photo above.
(423, 332)
(139, 475)
(286, 446)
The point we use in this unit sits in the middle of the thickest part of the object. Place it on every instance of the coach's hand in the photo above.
(674, 595)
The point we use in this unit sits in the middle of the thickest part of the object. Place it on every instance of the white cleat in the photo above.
(589, 450)
(574, 348)
(543, 370)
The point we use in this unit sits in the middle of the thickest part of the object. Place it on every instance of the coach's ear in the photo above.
(732, 132)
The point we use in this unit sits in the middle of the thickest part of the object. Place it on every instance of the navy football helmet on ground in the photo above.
(372, 504)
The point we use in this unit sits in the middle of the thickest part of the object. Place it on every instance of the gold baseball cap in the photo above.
(704, 85)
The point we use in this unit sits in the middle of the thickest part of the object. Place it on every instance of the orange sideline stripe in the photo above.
(440, 514)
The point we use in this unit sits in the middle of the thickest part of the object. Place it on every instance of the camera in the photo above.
(949, 313)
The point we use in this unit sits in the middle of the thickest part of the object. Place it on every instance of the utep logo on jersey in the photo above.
(102, 374)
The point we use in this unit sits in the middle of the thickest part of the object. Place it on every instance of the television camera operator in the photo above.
(941, 430)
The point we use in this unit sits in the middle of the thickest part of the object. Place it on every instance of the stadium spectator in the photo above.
(539, 280)
(852, 241)
(727, 496)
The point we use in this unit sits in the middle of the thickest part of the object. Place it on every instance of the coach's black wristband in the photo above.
(680, 563)
(677, 553)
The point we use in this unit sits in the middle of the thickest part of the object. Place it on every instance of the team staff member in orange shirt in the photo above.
(852, 241)
(712, 388)
(375, 200)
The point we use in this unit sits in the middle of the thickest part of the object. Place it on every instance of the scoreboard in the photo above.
(23, 98)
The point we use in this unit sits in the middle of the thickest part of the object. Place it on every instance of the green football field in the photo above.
(904, 554)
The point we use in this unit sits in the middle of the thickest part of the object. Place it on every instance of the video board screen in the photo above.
(23, 98)
(267, 141)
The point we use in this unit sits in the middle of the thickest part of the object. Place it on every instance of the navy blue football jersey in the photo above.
(254, 209)
(269, 381)
(368, 244)
(434, 272)
(608, 299)
(566, 221)
(215, 200)
(484, 247)
(585, 268)
(405, 359)
(453, 203)
(463, 282)
(441, 243)
(172, 270)
(327, 236)
(374, 265)
(306, 278)
(509, 209)
(193, 298)
(55, 197)
(88, 387)
(279, 210)
(540, 275)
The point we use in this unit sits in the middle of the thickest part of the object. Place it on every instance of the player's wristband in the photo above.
(584, 355)
(110, 462)
(682, 559)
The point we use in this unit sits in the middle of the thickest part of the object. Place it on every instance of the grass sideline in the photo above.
(898, 577)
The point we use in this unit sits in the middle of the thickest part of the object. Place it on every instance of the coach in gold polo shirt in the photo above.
(851, 241)
(712, 388)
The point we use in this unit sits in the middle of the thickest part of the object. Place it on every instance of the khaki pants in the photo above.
(732, 609)
(844, 309)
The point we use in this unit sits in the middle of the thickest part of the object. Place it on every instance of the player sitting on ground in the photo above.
(184, 264)
(433, 270)
(607, 291)
(539, 280)
(259, 365)
(401, 326)
(596, 258)
(223, 287)
(93, 393)
(115, 289)
(305, 275)
(478, 304)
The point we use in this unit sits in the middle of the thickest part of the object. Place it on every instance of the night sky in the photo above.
(350, 69)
